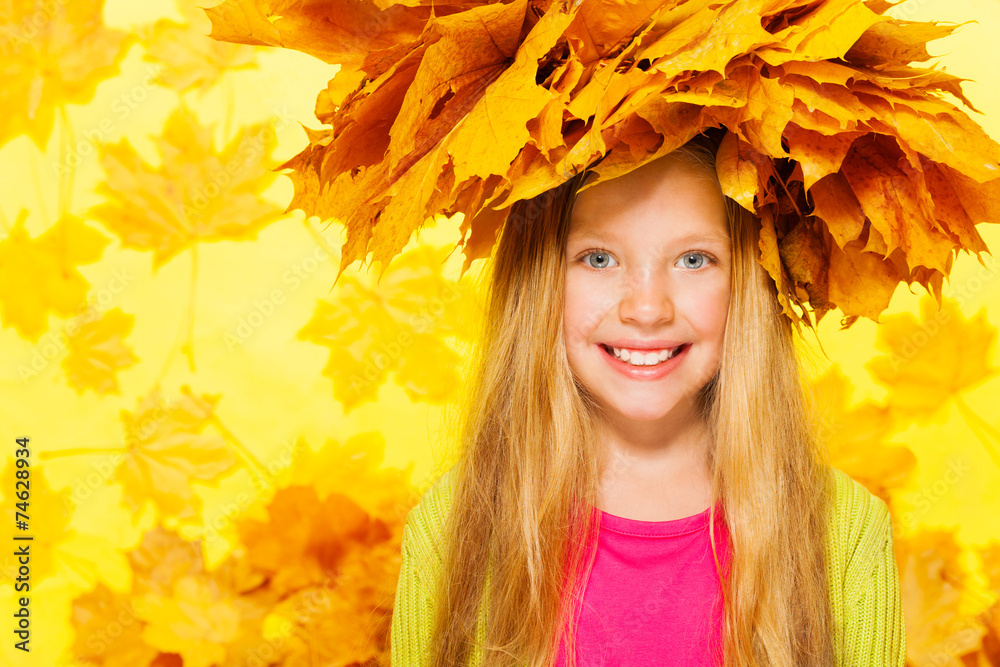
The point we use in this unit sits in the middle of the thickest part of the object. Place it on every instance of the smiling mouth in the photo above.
(648, 360)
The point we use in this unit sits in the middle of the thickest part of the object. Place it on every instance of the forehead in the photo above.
(671, 196)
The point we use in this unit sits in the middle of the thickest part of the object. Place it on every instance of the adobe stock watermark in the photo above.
(52, 346)
(974, 284)
(264, 308)
(250, 156)
(103, 467)
(265, 480)
(123, 106)
(930, 495)
(25, 31)
(388, 353)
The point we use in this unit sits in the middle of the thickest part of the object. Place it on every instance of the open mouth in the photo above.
(640, 359)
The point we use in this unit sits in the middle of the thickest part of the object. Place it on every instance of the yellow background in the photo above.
(272, 388)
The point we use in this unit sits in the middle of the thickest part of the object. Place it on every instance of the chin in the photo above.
(632, 412)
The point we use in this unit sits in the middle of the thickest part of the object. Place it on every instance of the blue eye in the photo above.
(597, 253)
(695, 254)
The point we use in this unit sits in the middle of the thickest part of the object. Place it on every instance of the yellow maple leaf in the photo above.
(355, 469)
(166, 451)
(196, 620)
(189, 59)
(54, 54)
(97, 352)
(933, 585)
(857, 436)
(39, 275)
(174, 608)
(195, 195)
(47, 521)
(933, 360)
(401, 325)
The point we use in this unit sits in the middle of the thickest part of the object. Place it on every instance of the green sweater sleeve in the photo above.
(420, 568)
(874, 630)
(413, 610)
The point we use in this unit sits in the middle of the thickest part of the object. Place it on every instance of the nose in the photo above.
(647, 299)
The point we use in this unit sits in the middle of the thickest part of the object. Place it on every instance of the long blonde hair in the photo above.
(527, 472)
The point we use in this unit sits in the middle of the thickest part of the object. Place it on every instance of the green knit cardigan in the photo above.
(864, 581)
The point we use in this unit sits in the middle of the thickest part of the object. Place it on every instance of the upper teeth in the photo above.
(645, 358)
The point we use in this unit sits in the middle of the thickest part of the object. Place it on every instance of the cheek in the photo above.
(710, 309)
(718, 313)
(580, 316)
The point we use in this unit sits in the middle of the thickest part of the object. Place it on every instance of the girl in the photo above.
(639, 481)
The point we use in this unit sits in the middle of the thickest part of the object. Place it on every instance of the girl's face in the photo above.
(648, 272)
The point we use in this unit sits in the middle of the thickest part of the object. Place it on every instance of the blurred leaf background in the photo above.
(223, 448)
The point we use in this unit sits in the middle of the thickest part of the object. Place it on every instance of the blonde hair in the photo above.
(527, 469)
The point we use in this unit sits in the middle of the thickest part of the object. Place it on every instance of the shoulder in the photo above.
(860, 531)
(423, 531)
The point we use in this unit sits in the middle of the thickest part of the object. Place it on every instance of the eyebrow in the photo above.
(712, 237)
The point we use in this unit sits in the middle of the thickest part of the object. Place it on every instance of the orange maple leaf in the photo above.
(108, 629)
(195, 195)
(477, 106)
(39, 275)
(347, 620)
(54, 54)
(299, 545)
(97, 352)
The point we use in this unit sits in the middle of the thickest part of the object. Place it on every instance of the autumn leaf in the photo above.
(934, 585)
(304, 539)
(398, 325)
(339, 33)
(39, 276)
(175, 607)
(197, 619)
(355, 469)
(347, 620)
(474, 107)
(190, 60)
(97, 352)
(857, 437)
(48, 518)
(166, 451)
(108, 629)
(195, 195)
(933, 360)
(54, 54)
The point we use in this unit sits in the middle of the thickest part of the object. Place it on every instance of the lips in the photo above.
(654, 372)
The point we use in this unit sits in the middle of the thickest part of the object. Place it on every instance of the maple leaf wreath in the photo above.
(861, 174)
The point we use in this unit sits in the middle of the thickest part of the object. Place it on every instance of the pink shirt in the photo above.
(653, 596)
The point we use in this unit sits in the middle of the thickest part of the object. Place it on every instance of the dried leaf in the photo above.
(479, 105)
(39, 275)
(188, 59)
(196, 195)
(166, 450)
(399, 325)
(932, 360)
(97, 352)
(54, 54)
